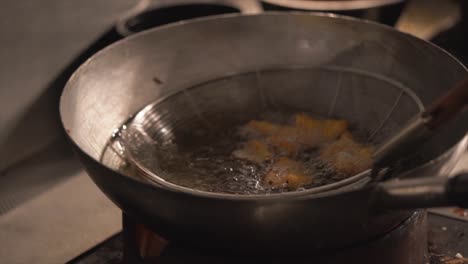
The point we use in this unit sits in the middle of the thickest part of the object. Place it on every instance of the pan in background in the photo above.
(383, 11)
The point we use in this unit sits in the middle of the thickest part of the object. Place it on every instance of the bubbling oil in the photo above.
(209, 165)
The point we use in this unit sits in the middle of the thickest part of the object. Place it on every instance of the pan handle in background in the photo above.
(427, 18)
(424, 192)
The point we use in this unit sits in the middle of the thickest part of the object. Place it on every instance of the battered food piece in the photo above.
(287, 173)
(284, 141)
(254, 150)
(261, 128)
(314, 132)
(347, 156)
(333, 128)
(282, 146)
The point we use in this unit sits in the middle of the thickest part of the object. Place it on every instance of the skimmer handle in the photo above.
(421, 127)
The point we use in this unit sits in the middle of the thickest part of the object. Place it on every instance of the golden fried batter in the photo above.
(347, 156)
(287, 173)
(254, 150)
(283, 143)
(283, 146)
(333, 128)
(281, 139)
(313, 132)
(261, 128)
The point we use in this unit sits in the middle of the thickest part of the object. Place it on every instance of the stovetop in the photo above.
(447, 243)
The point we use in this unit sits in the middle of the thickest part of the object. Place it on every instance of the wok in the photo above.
(293, 61)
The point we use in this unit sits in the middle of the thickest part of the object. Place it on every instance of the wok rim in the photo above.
(304, 194)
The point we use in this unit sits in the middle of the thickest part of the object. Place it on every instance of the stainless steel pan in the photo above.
(293, 61)
(330, 5)
(383, 11)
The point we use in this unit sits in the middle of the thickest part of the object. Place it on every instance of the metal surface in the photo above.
(119, 81)
(332, 5)
(447, 238)
(414, 193)
(384, 11)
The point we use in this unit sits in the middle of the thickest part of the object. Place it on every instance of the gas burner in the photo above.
(423, 238)
(406, 243)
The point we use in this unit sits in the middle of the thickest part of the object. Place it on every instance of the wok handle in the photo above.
(457, 190)
(424, 192)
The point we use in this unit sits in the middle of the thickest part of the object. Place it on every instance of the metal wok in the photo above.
(308, 55)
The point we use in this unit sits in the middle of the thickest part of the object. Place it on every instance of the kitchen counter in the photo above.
(53, 211)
